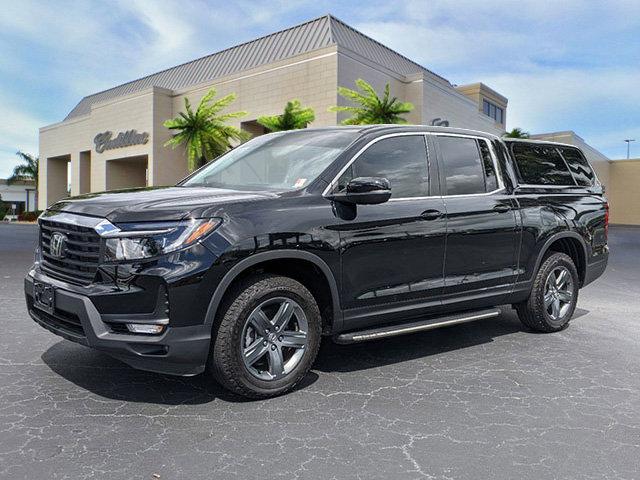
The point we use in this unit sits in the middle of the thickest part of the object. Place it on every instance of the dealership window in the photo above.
(467, 166)
(401, 160)
(492, 110)
(540, 165)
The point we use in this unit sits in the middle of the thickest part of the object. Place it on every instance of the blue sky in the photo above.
(564, 65)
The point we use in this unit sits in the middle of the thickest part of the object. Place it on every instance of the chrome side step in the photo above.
(402, 329)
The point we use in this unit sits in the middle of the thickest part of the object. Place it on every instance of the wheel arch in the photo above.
(247, 264)
(568, 242)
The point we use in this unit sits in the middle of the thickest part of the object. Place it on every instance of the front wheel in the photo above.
(553, 297)
(268, 337)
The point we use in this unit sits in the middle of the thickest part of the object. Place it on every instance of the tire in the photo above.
(548, 308)
(250, 356)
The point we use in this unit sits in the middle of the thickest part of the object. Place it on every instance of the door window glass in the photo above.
(462, 166)
(540, 165)
(402, 160)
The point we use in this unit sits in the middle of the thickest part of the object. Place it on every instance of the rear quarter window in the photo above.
(540, 165)
(580, 168)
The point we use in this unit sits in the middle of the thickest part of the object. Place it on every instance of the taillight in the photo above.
(606, 220)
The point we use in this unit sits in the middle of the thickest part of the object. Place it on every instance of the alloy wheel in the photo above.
(274, 338)
(558, 293)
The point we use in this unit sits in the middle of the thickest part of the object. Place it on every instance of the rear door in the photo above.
(481, 261)
(392, 253)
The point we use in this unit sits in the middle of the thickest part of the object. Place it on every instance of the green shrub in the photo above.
(29, 216)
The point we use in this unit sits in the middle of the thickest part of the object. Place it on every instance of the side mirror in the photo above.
(364, 191)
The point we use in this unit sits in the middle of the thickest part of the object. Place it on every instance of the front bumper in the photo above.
(177, 351)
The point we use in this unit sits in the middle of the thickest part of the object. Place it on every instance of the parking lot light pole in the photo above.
(629, 140)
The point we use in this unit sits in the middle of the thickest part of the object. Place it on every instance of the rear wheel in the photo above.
(268, 337)
(553, 297)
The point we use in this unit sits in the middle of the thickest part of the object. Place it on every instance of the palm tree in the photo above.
(203, 131)
(371, 109)
(28, 170)
(516, 133)
(293, 118)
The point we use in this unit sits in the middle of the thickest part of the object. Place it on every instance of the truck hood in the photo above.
(154, 203)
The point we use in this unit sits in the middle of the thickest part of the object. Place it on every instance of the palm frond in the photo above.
(294, 117)
(368, 108)
(202, 131)
(517, 132)
(28, 170)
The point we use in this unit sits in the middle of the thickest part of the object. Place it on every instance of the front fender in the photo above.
(257, 258)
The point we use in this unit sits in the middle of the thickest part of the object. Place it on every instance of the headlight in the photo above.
(138, 241)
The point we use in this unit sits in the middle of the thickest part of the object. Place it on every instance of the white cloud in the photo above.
(18, 131)
(470, 37)
(568, 65)
(168, 33)
(538, 98)
(73, 49)
(555, 61)
(443, 47)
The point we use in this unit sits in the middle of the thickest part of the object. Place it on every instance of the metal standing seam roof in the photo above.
(306, 37)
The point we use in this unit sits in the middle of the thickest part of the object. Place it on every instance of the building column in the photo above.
(53, 179)
(80, 173)
(75, 174)
(85, 172)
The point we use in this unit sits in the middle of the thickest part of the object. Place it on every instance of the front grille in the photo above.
(82, 252)
(66, 322)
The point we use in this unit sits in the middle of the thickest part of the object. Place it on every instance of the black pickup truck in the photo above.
(354, 233)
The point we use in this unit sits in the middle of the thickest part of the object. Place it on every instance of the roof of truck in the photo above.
(391, 128)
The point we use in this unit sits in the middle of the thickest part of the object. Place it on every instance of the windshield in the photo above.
(277, 161)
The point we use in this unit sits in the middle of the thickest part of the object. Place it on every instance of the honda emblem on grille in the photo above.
(57, 244)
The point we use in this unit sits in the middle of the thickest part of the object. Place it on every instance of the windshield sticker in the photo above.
(300, 182)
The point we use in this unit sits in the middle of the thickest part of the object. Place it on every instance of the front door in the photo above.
(482, 232)
(392, 253)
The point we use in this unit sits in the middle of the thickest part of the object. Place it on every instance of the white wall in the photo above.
(17, 192)
(441, 100)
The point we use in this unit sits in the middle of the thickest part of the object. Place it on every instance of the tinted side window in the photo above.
(462, 165)
(490, 179)
(580, 168)
(540, 165)
(401, 160)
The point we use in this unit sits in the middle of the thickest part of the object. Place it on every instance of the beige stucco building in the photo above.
(115, 139)
(624, 194)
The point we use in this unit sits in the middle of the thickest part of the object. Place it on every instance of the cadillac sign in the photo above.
(105, 141)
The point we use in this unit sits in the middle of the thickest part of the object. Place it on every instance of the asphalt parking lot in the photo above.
(476, 401)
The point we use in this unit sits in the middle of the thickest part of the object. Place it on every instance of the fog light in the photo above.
(145, 328)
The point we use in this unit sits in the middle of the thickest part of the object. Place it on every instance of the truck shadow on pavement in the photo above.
(445, 345)
(109, 378)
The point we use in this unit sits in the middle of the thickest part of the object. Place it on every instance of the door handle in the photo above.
(502, 208)
(431, 214)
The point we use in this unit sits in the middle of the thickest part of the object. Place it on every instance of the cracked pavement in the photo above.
(482, 400)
